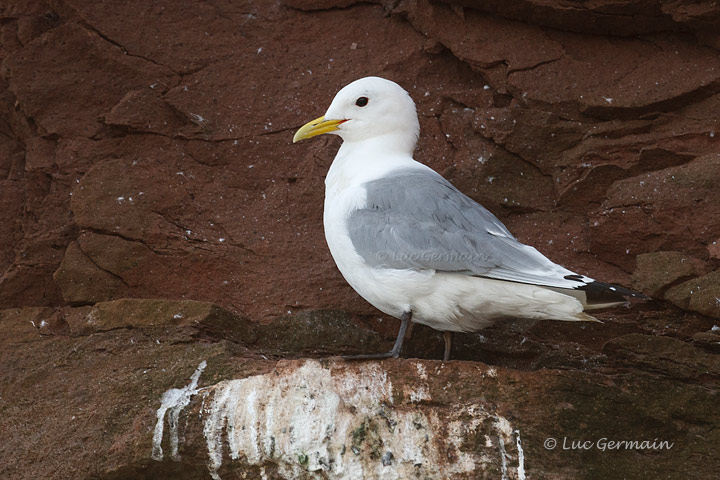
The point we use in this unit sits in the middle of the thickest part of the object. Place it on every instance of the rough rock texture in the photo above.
(657, 271)
(699, 294)
(134, 388)
(155, 215)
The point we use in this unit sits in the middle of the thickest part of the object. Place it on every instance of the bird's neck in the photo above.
(395, 143)
(363, 161)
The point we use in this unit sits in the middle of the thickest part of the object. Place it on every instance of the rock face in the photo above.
(139, 388)
(156, 218)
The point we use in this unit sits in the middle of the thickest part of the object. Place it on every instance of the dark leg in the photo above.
(395, 352)
(447, 336)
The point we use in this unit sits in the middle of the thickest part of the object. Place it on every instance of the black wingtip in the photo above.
(598, 292)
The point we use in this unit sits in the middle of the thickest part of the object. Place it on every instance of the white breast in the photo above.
(390, 291)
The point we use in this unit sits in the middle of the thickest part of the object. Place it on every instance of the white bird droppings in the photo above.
(503, 458)
(521, 457)
(341, 422)
(174, 400)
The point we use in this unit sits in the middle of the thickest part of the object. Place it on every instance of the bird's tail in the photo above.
(599, 295)
(584, 317)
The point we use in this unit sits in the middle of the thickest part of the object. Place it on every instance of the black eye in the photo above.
(361, 102)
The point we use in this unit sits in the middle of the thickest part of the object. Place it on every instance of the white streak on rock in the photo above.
(472, 417)
(342, 422)
(174, 401)
(310, 421)
(213, 429)
(503, 458)
(506, 433)
(252, 415)
(521, 457)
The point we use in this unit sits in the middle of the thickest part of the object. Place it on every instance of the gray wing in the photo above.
(415, 219)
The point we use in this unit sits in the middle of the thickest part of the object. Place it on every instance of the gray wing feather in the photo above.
(415, 219)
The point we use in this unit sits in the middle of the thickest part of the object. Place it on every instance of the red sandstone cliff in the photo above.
(145, 153)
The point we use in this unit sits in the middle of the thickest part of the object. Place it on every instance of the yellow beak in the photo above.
(316, 127)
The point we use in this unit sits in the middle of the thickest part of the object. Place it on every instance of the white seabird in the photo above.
(417, 248)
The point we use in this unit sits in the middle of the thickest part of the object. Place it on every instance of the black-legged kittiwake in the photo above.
(417, 248)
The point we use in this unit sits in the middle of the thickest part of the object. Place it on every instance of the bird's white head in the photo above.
(368, 108)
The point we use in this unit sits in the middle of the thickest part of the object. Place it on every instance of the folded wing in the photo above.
(415, 219)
